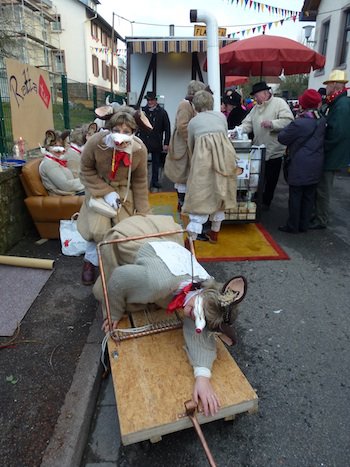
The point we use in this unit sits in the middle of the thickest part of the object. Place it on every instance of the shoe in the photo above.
(317, 226)
(88, 276)
(212, 236)
(302, 230)
(156, 185)
(202, 237)
(287, 229)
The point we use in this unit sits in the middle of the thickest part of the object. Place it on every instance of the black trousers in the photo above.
(272, 173)
(301, 203)
(156, 160)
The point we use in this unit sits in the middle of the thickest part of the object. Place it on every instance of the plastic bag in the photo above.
(72, 243)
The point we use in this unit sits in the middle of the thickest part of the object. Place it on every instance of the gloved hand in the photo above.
(113, 199)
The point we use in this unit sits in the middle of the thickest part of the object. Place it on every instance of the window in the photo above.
(95, 68)
(103, 38)
(105, 71)
(324, 37)
(346, 39)
(94, 31)
(56, 25)
(58, 61)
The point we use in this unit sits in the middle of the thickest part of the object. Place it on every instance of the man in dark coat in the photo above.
(336, 143)
(157, 140)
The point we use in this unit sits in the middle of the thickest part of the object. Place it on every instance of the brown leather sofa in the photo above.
(46, 211)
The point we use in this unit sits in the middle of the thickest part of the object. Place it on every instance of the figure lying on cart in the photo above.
(164, 273)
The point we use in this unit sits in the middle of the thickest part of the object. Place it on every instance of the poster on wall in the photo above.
(30, 101)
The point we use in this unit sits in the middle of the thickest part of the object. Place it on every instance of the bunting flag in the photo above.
(262, 27)
(108, 51)
(262, 7)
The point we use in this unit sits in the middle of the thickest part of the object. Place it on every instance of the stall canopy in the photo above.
(268, 56)
(168, 45)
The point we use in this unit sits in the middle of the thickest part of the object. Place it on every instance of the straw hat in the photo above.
(337, 76)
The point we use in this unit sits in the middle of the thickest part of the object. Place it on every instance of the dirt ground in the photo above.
(43, 357)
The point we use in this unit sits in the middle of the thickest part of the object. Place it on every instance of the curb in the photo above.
(67, 444)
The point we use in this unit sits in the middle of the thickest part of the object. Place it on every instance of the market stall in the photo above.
(249, 182)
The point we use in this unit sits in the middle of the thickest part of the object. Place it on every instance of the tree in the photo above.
(294, 85)
(8, 36)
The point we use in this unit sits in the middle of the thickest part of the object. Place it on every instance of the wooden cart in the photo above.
(152, 378)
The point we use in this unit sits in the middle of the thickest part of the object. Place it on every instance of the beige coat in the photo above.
(176, 166)
(212, 181)
(96, 161)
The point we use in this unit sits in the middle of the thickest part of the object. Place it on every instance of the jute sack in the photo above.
(118, 254)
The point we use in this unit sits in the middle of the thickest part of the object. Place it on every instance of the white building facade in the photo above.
(332, 36)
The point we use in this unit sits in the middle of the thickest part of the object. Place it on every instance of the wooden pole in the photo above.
(112, 58)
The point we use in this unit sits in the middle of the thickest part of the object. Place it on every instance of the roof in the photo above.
(143, 45)
(309, 10)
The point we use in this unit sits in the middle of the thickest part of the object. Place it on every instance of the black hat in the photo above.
(261, 86)
(232, 97)
(150, 95)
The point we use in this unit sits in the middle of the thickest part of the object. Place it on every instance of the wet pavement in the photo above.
(294, 331)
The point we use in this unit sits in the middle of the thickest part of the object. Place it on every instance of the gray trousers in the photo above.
(323, 195)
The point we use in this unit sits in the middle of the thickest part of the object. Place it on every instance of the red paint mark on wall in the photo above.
(44, 92)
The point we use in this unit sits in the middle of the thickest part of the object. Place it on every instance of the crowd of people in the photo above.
(108, 163)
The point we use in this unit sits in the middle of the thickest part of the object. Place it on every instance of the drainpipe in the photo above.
(213, 62)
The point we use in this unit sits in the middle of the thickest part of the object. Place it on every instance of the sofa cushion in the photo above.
(32, 180)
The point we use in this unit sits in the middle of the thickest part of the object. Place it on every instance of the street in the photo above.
(293, 329)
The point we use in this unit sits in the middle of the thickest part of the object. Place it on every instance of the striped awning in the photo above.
(168, 45)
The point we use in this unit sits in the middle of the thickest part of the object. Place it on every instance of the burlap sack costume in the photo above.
(124, 253)
(212, 182)
(95, 171)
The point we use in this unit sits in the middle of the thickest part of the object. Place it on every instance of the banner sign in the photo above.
(200, 30)
(30, 100)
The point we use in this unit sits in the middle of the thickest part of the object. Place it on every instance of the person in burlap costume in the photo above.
(77, 139)
(177, 165)
(212, 180)
(113, 171)
(159, 271)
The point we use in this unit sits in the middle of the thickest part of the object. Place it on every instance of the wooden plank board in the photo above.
(152, 379)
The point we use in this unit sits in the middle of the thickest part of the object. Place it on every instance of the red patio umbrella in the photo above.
(268, 56)
(235, 80)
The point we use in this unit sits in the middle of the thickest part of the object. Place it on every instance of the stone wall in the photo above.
(15, 221)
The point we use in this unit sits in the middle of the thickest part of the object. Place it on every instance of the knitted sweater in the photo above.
(58, 180)
(149, 280)
(275, 109)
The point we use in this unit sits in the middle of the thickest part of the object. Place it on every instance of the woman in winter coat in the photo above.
(212, 180)
(304, 138)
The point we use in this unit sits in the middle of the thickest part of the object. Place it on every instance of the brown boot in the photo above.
(212, 236)
(88, 276)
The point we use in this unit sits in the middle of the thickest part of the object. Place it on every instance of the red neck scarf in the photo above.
(117, 158)
(179, 299)
(75, 149)
(62, 162)
(334, 95)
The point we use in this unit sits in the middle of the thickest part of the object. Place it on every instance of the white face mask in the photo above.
(57, 149)
(114, 140)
